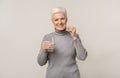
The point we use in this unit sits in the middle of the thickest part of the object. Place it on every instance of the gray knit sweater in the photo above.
(62, 62)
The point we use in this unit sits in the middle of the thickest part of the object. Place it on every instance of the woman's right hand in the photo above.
(46, 45)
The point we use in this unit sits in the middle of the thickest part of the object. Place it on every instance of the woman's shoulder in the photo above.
(49, 34)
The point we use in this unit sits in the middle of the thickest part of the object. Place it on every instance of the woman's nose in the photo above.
(59, 21)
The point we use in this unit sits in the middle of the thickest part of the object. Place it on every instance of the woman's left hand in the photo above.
(72, 31)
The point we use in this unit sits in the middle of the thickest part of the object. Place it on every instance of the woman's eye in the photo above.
(56, 19)
(62, 18)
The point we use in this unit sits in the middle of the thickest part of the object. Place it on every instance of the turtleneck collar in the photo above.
(63, 32)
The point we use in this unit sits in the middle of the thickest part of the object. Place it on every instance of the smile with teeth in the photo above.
(60, 25)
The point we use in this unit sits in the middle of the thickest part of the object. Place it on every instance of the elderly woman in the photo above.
(61, 47)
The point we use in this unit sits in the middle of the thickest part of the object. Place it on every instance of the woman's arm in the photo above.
(80, 50)
(42, 56)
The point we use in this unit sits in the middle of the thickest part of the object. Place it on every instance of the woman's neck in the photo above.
(62, 32)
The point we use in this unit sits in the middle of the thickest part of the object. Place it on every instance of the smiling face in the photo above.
(59, 20)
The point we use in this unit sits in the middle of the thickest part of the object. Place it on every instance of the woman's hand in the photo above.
(72, 31)
(46, 45)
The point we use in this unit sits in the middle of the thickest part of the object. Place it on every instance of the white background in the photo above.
(23, 23)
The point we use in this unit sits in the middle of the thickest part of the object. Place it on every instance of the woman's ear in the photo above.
(66, 19)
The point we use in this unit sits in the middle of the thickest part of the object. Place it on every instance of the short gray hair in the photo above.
(59, 9)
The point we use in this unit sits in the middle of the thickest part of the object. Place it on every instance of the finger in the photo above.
(74, 29)
(46, 41)
(46, 44)
(67, 28)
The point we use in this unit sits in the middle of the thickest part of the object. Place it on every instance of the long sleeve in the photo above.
(80, 50)
(42, 56)
(63, 57)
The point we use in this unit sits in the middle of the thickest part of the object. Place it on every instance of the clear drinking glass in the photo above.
(51, 49)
